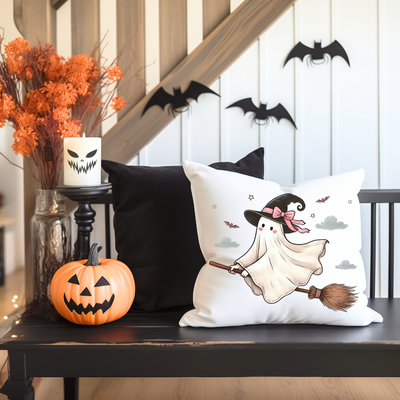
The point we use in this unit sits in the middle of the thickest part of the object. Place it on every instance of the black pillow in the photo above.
(155, 228)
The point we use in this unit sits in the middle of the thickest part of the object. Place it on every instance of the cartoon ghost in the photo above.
(273, 266)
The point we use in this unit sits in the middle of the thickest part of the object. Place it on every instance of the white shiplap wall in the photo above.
(346, 116)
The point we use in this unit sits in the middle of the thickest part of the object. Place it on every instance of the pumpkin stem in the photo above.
(93, 259)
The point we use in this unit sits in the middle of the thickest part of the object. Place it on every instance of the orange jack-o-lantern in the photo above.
(93, 291)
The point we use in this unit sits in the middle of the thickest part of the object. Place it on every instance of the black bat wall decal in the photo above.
(318, 52)
(178, 100)
(261, 113)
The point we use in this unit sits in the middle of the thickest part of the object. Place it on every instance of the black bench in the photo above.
(151, 344)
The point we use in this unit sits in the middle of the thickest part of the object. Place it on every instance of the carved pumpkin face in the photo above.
(93, 294)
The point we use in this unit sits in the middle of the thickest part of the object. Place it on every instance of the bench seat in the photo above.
(151, 344)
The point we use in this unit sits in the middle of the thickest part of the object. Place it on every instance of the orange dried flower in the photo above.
(25, 137)
(41, 55)
(115, 73)
(118, 103)
(36, 102)
(55, 68)
(25, 141)
(70, 128)
(7, 107)
(16, 62)
(60, 94)
(60, 100)
(79, 70)
(61, 114)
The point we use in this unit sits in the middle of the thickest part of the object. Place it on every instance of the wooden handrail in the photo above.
(56, 4)
(205, 64)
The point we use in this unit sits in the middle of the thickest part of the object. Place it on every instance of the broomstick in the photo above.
(337, 297)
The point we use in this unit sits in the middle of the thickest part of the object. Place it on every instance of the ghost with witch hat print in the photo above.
(273, 266)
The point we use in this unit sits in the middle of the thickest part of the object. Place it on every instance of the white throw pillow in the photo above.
(283, 239)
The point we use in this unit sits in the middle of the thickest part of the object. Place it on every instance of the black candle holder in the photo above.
(84, 215)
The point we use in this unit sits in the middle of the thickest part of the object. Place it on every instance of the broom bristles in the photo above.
(337, 297)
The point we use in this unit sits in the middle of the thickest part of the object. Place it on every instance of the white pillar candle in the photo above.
(82, 161)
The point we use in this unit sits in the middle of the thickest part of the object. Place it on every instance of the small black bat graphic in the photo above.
(318, 52)
(231, 225)
(323, 200)
(178, 100)
(261, 113)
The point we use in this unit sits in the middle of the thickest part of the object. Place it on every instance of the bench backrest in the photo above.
(372, 197)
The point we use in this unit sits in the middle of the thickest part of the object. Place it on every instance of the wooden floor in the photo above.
(203, 388)
(14, 285)
(224, 389)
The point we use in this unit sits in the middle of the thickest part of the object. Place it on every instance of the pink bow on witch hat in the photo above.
(277, 210)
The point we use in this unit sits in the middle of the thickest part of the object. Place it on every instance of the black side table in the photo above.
(84, 215)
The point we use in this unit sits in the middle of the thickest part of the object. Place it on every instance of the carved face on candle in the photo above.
(82, 164)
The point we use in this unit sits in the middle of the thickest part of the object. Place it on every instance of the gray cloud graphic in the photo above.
(226, 243)
(331, 223)
(345, 264)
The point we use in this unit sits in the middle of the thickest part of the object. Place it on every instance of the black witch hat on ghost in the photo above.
(276, 210)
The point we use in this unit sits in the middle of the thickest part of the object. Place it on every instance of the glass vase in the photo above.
(51, 240)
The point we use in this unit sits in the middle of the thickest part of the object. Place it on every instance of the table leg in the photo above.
(18, 386)
(71, 388)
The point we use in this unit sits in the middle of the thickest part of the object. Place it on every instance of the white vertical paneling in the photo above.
(356, 109)
(389, 89)
(203, 128)
(314, 117)
(108, 31)
(194, 24)
(355, 94)
(190, 121)
(223, 140)
(64, 34)
(185, 138)
(152, 56)
(277, 86)
(133, 161)
(338, 92)
(298, 87)
(346, 116)
(235, 4)
(242, 82)
(334, 79)
(165, 148)
(264, 73)
(152, 44)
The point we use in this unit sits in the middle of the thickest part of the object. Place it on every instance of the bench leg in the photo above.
(18, 386)
(71, 388)
(18, 390)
